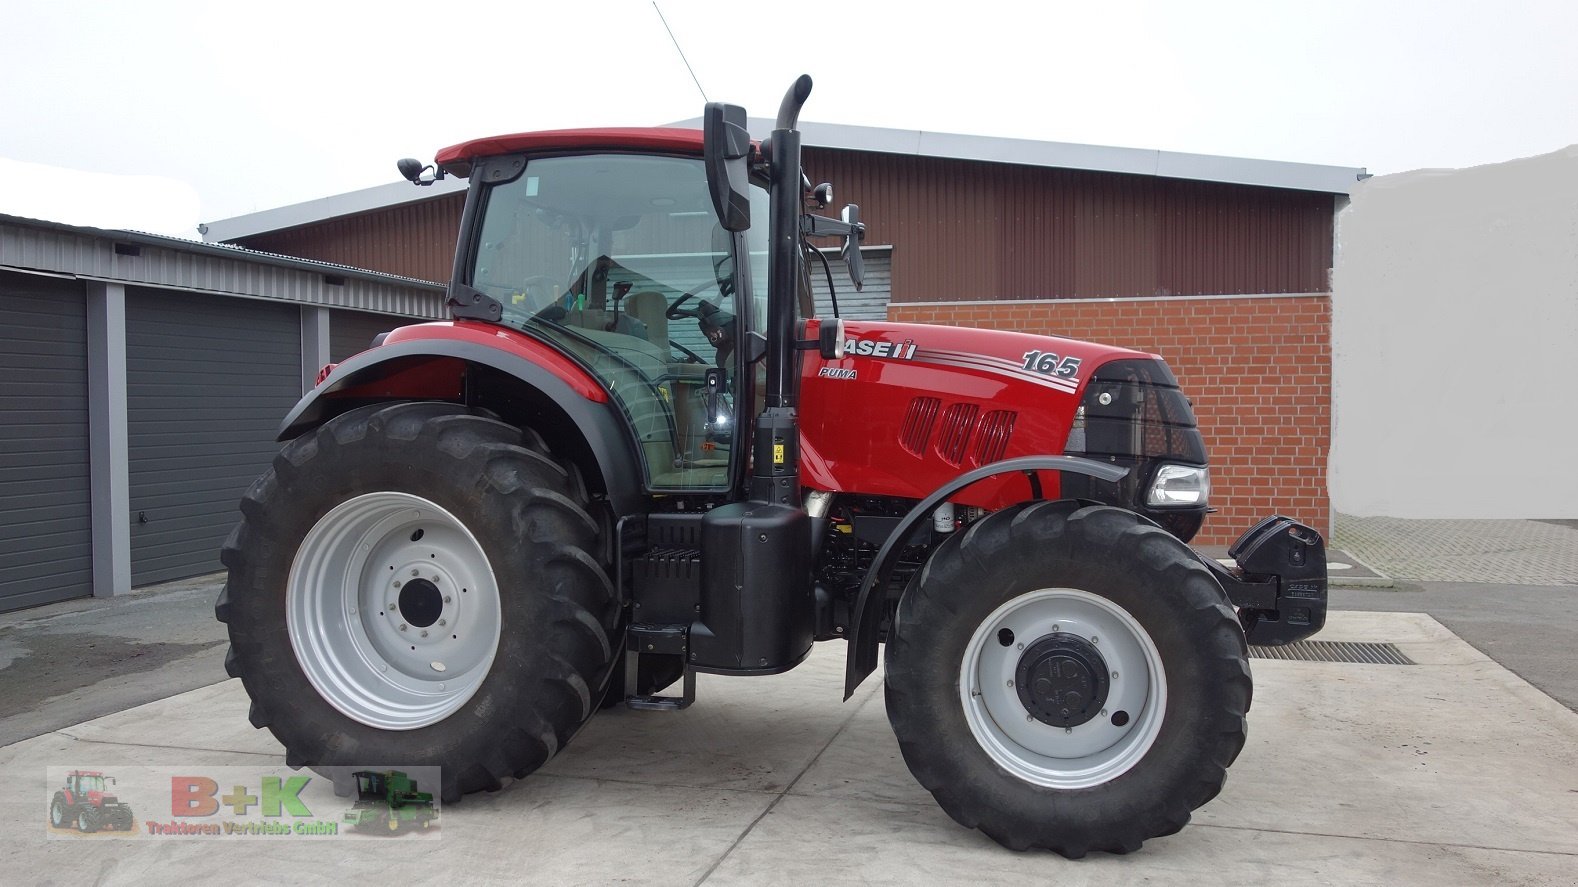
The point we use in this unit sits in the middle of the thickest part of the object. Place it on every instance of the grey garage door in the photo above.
(46, 545)
(871, 303)
(352, 332)
(208, 380)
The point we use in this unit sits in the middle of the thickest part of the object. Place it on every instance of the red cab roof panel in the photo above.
(458, 158)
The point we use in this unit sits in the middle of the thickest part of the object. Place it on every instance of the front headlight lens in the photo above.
(1179, 485)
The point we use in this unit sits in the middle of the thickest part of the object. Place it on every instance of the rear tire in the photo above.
(59, 811)
(415, 585)
(1132, 679)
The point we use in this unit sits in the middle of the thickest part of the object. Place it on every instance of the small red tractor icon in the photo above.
(85, 804)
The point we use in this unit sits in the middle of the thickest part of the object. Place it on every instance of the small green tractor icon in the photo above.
(85, 804)
(389, 802)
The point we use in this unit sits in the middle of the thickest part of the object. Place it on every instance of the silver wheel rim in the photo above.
(365, 575)
(1086, 755)
(57, 814)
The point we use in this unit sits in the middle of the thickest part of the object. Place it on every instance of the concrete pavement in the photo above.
(78, 660)
(1452, 771)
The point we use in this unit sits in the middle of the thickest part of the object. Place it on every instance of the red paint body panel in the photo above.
(854, 432)
(510, 341)
(658, 139)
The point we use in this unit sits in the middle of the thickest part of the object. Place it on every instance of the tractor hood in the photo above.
(910, 406)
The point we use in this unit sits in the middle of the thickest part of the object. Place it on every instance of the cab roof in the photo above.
(457, 159)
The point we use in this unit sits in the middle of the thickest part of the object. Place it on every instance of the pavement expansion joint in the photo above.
(1383, 839)
(226, 751)
(849, 719)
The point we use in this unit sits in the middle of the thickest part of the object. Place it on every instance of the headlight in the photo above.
(1179, 485)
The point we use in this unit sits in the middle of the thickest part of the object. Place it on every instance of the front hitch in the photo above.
(1279, 584)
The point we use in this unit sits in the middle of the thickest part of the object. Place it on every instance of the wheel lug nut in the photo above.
(415, 574)
(1094, 639)
(448, 599)
(424, 633)
(1021, 645)
(1030, 719)
(1114, 675)
(1068, 729)
(397, 583)
(443, 622)
(1057, 628)
(1010, 683)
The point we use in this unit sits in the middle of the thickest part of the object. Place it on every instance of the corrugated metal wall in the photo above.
(870, 303)
(965, 230)
(352, 332)
(412, 239)
(45, 504)
(207, 382)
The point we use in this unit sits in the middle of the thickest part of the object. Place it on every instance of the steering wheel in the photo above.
(673, 312)
(691, 356)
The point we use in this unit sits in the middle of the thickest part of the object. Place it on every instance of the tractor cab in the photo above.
(619, 259)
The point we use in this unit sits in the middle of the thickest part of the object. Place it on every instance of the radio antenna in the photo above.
(681, 52)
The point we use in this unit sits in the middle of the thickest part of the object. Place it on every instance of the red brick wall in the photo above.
(1258, 371)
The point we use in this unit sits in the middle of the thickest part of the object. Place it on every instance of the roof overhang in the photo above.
(685, 137)
(1067, 155)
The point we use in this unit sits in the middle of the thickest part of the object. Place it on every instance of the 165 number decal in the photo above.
(1050, 364)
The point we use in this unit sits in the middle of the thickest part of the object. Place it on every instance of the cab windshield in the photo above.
(619, 259)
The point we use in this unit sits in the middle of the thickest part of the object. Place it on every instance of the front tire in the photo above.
(1067, 678)
(414, 584)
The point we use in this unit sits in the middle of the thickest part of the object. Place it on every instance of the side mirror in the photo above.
(850, 251)
(830, 338)
(410, 168)
(726, 149)
(416, 172)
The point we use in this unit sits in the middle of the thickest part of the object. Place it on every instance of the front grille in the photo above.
(917, 425)
(991, 440)
(954, 434)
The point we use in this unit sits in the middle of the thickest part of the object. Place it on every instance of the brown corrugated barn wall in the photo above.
(1229, 283)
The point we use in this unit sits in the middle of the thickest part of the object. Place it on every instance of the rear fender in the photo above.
(862, 657)
(438, 368)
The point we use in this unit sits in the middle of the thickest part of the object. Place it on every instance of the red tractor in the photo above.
(84, 803)
(635, 454)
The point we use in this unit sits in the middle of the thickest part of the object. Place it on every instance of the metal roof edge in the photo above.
(38, 245)
(1070, 155)
(324, 208)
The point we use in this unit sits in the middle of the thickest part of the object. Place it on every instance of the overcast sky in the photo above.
(158, 114)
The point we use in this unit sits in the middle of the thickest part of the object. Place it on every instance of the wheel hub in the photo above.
(1062, 680)
(421, 603)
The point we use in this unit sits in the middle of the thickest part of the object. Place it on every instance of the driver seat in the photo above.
(648, 307)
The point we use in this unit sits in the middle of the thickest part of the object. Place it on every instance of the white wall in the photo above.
(1455, 343)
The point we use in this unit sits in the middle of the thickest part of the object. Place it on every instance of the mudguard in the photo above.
(867, 612)
(400, 364)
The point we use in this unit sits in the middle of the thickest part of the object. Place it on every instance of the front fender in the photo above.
(428, 362)
(867, 612)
